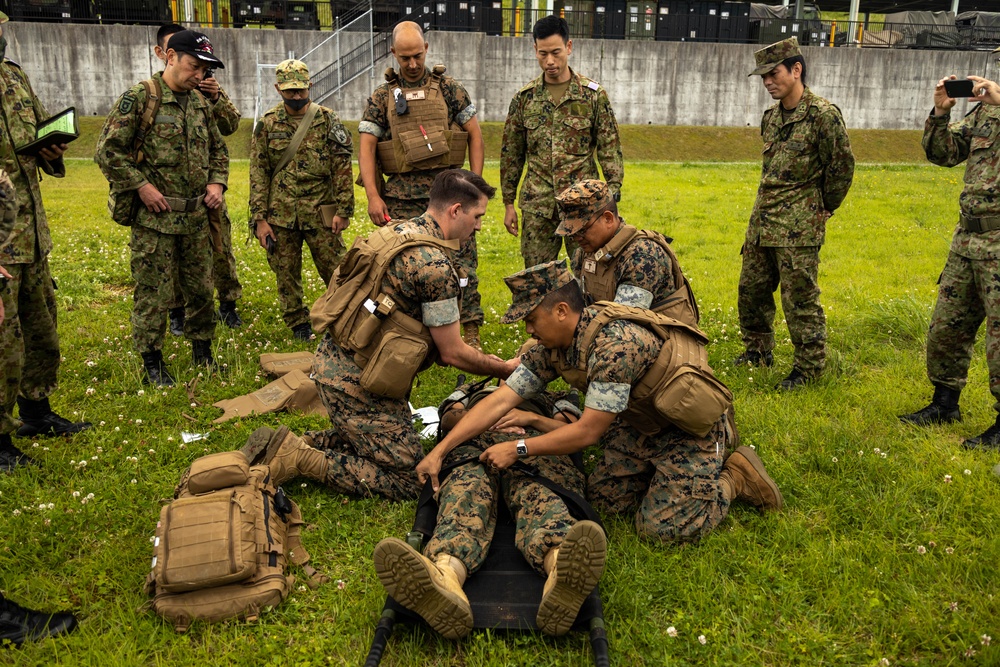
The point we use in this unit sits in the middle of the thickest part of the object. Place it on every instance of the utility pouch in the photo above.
(123, 206)
(693, 400)
(415, 146)
(394, 363)
(218, 471)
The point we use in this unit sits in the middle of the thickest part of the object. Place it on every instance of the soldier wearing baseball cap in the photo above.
(292, 75)
(616, 261)
(196, 44)
(807, 170)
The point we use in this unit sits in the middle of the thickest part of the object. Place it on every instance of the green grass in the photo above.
(639, 142)
(837, 578)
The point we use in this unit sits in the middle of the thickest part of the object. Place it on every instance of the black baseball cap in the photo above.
(196, 44)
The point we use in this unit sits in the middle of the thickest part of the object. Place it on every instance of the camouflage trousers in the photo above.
(379, 449)
(466, 259)
(157, 260)
(467, 506)
(968, 293)
(223, 264)
(796, 269)
(29, 341)
(539, 243)
(670, 480)
(327, 250)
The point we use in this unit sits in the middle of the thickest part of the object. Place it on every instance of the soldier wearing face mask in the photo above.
(301, 189)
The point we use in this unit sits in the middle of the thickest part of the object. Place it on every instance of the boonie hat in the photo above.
(196, 44)
(771, 56)
(530, 286)
(580, 203)
(292, 75)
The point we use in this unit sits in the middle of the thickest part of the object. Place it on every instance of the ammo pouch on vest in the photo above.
(389, 346)
(222, 546)
(421, 138)
(679, 387)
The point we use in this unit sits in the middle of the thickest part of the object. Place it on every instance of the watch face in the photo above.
(522, 449)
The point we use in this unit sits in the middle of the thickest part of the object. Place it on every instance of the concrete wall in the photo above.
(663, 83)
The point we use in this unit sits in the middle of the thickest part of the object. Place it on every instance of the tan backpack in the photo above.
(222, 546)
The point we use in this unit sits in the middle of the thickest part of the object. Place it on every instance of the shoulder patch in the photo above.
(340, 135)
(593, 85)
(126, 103)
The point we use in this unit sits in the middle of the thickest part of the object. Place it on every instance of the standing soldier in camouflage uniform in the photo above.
(617, 262)
(182, 175)
(29, 353)
(970, 282)
(555, 125)
(307, 196)
(675, 482)
(227, 117)
(569, 552)
(808, 169)
(404, 134)
(373, 447)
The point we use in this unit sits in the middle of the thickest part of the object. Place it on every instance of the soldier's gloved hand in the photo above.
(510, 219)
(152, 199)
(428, 469)
(262, 231)
(213, 195)
(943, 103)
(378, 211)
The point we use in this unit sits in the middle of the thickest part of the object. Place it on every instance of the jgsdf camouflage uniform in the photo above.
(227, 284)
(184, 154)
(558, 143)
(643, 271)
(319, 173)
(406, 195)
(380, 448)
(969, 286)
(807, 170)
(29, 340)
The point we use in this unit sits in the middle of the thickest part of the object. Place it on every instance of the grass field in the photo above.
(886, 551)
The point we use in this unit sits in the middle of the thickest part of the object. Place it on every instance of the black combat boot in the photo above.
(228, 314)
(201, 353)
(943, 409)
(755, 358)
(177, 321)
(988, 439)
(10, 456)
(794, 380)
(156, 372)
(19, 624)
(39, 419)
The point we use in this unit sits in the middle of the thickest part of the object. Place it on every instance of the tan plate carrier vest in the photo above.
(407, 150)
(600, 283)
(679, 387)
(388, 345)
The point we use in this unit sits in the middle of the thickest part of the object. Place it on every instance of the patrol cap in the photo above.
(292, 75)
(771, 56)
(580, 203)
(530, 286)
(195, 44)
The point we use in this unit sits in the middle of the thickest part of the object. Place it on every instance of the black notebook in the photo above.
(59, 129)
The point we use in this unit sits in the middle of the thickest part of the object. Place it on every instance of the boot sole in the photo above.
(758, 466)
(579, 567)
(405, 576)
(256, 448)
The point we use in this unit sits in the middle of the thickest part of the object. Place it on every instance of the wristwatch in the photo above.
(522, 449)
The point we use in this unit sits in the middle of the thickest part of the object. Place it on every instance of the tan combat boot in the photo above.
(574, 568)
(743, 477)
(470, 334)
(289, 456)
(431, 589)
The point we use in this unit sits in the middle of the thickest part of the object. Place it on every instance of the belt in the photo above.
(181, 205)
(979, 225)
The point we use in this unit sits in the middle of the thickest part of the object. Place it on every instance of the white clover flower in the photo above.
(702, 640)
(672, 631)
(921, 549)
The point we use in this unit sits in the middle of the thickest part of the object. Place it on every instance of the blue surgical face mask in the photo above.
(296, 104)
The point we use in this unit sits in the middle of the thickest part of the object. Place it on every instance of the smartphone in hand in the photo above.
(958, 88)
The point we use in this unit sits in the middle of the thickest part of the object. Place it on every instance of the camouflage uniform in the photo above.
(29, 340)
(381, 448)
(970, 282)
(227, 284)
(467, 505)
(320, 173)
(807, 170)
(184, 154)
(407, 195)
(669, 480)
(558, 144)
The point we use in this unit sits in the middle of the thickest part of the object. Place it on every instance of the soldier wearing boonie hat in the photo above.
(807, 170)
(307, 197)
(617, 262)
